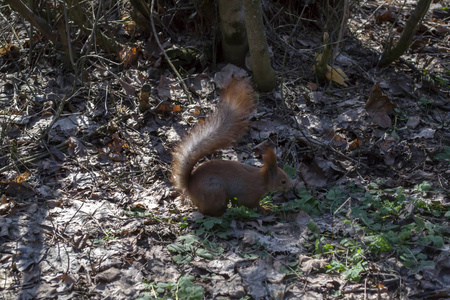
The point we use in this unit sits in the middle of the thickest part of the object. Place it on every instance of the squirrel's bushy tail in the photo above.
(226, 125)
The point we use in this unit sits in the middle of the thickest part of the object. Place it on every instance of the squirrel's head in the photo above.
(280, 181)
(276, 178)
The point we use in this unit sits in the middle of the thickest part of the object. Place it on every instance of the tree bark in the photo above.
(393, 53)
(232, 27)
(57, 37)
(34, 20)
(322, 63)
(140, 13)
(263, 73)
(57, 33)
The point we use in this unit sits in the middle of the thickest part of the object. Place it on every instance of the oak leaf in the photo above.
(379, 106)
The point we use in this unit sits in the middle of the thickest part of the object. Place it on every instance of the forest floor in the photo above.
(88, 210)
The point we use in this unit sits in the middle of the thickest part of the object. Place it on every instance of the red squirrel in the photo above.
(214, 182)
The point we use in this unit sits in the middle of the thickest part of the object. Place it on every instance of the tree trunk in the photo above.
(232, 27)
(140, 13)
(322, 63)
(393, 53)
(263, 73)
(34, 20)
(58, 37)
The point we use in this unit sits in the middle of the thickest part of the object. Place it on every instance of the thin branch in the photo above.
(183, 85)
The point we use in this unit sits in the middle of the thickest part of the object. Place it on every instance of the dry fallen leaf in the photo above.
(118, 144)
(335, 139)
(312, 86)
(9, 51)
(129, 55)
(176, 108)
(66, 278)
(413, 122)
(128, 88)
(165, 106)
(318, 171)
(337, 75)
(388, 16)
(379, 106)
(75, 147)
(22, 177)
(355, 144)
(21, 190)
(309, 264)
(129, 24)
(334, 74)
(442, 29)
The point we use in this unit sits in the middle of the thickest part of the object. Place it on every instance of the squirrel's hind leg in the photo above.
(211, 202)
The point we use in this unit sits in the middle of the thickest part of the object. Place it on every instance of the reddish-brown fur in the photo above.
(213, 183)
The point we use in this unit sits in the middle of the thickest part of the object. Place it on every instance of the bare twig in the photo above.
(71, 218)
(183, 85)
(311, 141)
(13, 30)
(283, 101)
(69, 43)
(32, 158)
(58, 114)
(342, 27)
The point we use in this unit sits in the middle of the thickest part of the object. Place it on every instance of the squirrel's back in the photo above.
(221, 129)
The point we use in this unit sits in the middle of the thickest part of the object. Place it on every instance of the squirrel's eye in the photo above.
(283, 181)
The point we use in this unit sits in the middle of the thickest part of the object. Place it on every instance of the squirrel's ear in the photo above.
(270, 163)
